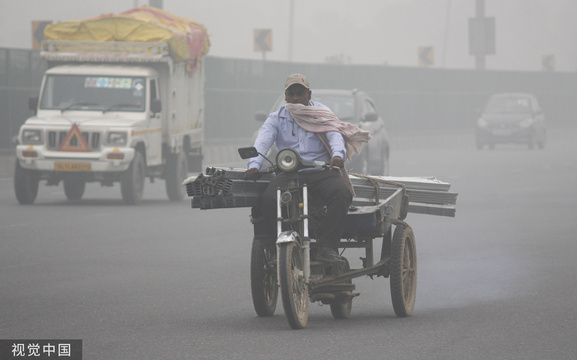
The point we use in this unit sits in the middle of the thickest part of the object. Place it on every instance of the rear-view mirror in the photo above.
(247, 152)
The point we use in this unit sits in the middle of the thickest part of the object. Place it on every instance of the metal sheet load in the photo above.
(427, 195)
(221, 188)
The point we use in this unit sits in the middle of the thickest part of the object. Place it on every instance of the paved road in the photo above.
(162, 280)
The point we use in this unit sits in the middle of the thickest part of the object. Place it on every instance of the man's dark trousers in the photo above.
(325, 187)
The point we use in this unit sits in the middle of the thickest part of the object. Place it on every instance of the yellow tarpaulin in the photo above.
(188, 39)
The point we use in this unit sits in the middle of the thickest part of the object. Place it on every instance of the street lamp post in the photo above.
(480, 14)
(291, 26)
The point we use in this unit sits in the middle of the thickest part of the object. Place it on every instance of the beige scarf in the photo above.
(319, 119)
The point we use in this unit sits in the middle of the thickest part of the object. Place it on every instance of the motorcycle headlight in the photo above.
(31, 136)
(116, 138)
(287, 160)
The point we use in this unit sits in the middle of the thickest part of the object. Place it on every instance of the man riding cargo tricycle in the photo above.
(306, 210)
(377, 212)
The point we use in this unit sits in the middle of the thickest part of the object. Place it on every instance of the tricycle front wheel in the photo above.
(403, 271)
(294, 290)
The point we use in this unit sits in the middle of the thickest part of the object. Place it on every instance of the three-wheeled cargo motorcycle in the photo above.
(377, 211)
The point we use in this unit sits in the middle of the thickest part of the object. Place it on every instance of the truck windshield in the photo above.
(94, 93)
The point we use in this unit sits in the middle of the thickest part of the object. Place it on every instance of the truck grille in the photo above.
(55, 139)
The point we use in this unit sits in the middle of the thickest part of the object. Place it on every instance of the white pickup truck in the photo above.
(111, 112)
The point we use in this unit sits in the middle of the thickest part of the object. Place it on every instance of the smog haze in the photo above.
(365, 32)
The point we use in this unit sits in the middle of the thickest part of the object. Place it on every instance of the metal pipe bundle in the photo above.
(224, 188)
(227, 188)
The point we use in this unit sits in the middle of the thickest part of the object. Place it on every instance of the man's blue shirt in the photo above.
(281, 128)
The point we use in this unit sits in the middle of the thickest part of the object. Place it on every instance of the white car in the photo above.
(511, 118)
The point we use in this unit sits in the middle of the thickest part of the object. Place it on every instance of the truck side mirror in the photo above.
(156, 106)
(260, 116)
(33, 103)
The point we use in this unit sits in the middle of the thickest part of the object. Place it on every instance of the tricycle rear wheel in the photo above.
(342, 306)
(403, 271)
(342, 309)
(263, 279)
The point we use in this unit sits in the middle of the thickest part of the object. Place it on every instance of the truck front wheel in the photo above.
(175, 173)
(25, 184)
(132, 182)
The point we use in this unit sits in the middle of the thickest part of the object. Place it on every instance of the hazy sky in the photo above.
(361, 32)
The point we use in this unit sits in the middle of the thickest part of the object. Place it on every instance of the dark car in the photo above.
(356, 107)
(511, 118)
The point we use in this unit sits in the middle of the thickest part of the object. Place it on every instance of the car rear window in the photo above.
(512, 104)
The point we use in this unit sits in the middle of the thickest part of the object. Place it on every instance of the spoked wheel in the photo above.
(263, 280)
(294, 291)
(403, 268)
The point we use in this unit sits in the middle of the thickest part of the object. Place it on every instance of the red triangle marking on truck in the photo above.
(70, 145)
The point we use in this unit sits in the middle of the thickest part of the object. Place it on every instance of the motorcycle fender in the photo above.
(287, 237)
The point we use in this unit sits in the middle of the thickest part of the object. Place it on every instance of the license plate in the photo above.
(502, 132)
(72, 166)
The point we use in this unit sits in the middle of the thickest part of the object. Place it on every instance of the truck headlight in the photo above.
(31, 136)
(116, 138)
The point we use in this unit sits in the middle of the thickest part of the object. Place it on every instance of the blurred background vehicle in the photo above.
(356, 107)
(511, 118)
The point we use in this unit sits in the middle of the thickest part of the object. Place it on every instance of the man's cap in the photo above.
(296, 79)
